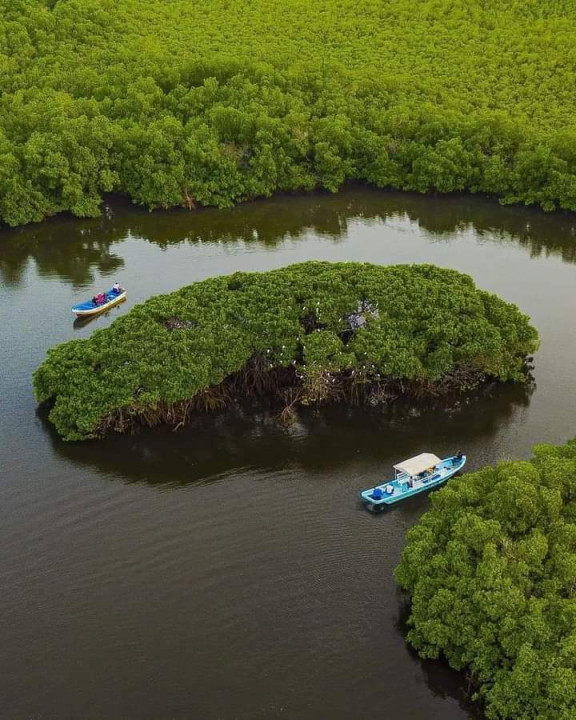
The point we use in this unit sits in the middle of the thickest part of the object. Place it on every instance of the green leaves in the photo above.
(491, 572)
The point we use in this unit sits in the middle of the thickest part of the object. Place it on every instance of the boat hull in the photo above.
(88, 309)
(394, 491)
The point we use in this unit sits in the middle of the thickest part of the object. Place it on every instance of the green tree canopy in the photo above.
(180, 103)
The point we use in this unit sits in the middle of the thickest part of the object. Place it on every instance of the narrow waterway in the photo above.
(226, 571)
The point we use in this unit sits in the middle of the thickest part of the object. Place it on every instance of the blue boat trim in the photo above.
(405, 485)
(88, 308)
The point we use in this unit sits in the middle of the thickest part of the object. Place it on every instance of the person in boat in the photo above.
(101, 298)
(457, 459)
(95, 300)
(116, 289)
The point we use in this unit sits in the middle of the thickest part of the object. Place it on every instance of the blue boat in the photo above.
(89, 308)
(413, 476)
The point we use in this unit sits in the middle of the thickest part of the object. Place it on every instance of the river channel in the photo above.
(226, 571)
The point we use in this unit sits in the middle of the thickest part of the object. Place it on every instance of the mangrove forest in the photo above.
(190, 104)
(491, 574)
(305, 334)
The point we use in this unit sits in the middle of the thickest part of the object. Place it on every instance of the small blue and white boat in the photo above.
(91, 307)
(413, 476)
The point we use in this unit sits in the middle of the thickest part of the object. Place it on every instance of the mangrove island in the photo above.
(305, 334)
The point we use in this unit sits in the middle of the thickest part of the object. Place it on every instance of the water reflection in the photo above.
(60, 250)
(73, 249)
(211, 446)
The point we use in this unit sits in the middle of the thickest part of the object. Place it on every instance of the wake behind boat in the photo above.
(99, 303)
(413, 476)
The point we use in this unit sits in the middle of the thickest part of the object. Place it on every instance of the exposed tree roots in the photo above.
(287, 388)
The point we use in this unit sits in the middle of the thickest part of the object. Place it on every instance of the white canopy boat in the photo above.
(413, 476)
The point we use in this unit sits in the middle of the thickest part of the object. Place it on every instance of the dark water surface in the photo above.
(226, 571)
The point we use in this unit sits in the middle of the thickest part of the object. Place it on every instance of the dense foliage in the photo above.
(491, 571)
(181, 103)
(327, 331)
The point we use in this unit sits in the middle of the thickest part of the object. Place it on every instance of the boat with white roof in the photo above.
(413, 476)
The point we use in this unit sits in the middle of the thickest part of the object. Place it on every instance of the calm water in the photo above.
(226, 572)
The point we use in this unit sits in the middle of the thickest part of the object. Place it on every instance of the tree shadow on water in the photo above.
(319, 443)
(74, 249)
(443, 681)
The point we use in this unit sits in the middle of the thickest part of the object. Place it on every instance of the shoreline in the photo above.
(119, 203)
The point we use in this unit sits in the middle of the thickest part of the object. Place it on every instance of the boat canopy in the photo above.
(417, 464)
